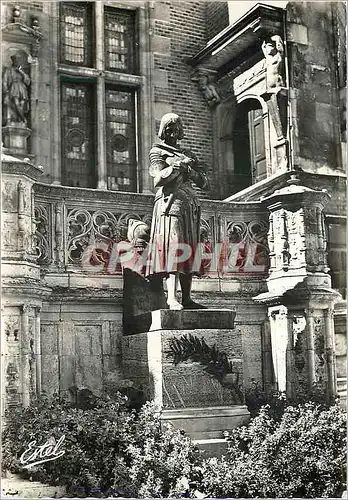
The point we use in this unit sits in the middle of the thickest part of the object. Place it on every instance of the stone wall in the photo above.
(313, 84)
(179, 32)
(216, 18)
(80, 343)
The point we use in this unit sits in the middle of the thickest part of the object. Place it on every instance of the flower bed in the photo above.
(111, 450)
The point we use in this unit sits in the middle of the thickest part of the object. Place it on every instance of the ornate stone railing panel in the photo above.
(78, 225)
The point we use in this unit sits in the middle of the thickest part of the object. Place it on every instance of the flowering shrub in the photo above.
(256, 398)
(109, 449)
(301, 455)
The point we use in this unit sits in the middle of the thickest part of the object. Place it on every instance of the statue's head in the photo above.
(269, 46)
(14, 60)
(138, 232)
(272, 44)
(171, 129)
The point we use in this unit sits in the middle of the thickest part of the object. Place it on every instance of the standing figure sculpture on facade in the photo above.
(174, 244)
(276, 93)
(273, 50)
(15, 83)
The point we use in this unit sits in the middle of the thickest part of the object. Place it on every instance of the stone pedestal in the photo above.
(193, 399)
(15, 139)
(300, 299)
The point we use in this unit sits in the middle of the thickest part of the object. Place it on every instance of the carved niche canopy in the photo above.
(235, 51)
(239, 44)
(20, 33)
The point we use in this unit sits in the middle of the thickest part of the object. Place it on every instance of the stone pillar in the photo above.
(102, 169)
(300, 298)
(191, 397)
(22, 289)
(277, 103)
(302, 346)
(279, 339)
(24, 355)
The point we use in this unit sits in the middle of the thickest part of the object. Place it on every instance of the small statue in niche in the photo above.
(273, 50)
(15, 83)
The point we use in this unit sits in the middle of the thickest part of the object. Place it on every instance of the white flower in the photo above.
(182, 484)
(199, 494)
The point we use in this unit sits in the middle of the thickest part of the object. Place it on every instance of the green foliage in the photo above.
(109, 449)
(256, 398)
(215, 362)
(163, 462)
(301, 455)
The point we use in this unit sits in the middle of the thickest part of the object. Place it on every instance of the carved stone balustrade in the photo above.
(77, 231)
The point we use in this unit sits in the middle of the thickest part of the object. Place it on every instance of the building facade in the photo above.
(262, 100)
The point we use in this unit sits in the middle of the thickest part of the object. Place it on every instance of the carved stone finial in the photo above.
(16, 14)
(293, 179)
(35, 24)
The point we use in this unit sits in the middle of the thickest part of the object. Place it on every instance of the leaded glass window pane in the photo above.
(78, 159)
(76, 33)
(120, 140)
(119, 40)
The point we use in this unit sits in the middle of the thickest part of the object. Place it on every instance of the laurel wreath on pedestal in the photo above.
(214, 362)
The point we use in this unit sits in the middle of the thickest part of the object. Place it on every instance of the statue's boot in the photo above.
(190, 304)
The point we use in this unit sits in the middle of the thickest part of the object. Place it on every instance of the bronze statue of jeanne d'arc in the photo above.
(176, 213)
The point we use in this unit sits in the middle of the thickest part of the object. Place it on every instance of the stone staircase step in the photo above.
(16, 487)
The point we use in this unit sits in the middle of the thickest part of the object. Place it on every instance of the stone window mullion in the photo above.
(100, 121)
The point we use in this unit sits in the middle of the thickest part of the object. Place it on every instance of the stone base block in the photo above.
(202, 402)
(212, 447)
(166, 319)
(148, 361)
(15, 138)
(207, 423)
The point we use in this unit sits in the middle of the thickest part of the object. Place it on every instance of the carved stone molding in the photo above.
(59, 251)
(18, 31)
(42, 240)
(15, 166)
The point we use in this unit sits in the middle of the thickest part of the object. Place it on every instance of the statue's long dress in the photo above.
(15, 84)
(180, 225)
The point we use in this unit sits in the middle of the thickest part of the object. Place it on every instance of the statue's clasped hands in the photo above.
(185, 165)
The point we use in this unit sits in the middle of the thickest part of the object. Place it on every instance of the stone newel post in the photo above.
(300, 298)
(21, 285)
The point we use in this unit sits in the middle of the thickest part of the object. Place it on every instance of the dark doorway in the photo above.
(248, 139)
